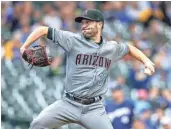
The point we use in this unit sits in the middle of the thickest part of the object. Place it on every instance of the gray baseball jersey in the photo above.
(88, 63)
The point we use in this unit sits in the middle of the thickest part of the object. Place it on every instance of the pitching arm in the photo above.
(136, 53)
(35, 35)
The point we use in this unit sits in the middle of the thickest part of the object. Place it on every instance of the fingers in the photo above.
(149, 68)
(50, 60)
(148, 71)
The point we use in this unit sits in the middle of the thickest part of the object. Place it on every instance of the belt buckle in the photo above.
(85, 101)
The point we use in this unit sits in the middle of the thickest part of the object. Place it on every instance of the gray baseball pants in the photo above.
(65, 111)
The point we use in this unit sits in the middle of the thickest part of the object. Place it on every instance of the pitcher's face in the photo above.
(89, 28)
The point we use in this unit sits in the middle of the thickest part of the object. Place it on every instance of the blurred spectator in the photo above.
(28, 8)
(141, 102)
(162, 11)
(138, 124)
(153, 96)
(25, 28)
(145, 116)
(17, 13)
(67, 13)
(138, 11)
(167, 94)
(166, 122)
(119, 109)
(87, 5)
(142, 94)
(12, 48)
(145, 11)
(144, 110)
(159, 79)
(144, 44)
(157, 116)
(137, 78)
(2, 50)
(38, 19)
(122, 82)
(51, 18)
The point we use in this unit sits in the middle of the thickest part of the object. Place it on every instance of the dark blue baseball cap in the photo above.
(115, 88)
(91, 14)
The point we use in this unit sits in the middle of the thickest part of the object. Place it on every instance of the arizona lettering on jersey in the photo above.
(84, 59)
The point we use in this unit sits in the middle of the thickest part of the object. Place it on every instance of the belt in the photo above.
(83, 101)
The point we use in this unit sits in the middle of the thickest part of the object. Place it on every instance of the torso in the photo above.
(88, 65)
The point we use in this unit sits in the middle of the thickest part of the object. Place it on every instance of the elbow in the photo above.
(129, 49)
(43, 30)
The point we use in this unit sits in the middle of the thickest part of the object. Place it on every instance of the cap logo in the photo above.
(85, 12)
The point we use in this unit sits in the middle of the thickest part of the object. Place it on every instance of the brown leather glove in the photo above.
(37, 56)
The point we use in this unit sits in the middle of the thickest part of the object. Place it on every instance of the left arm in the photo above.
(136, 53)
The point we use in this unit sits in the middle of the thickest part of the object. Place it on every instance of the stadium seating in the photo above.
(30, 90)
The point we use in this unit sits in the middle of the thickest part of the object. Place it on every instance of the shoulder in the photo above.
(129, 102)
(74, 35)
(65, 33)
(109, 102)
(117, 43)
(112, 42)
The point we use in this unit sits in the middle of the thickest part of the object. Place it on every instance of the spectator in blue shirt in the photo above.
(120, 110)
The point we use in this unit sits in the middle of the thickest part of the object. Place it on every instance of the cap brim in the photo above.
(79, 19)
(116, 88)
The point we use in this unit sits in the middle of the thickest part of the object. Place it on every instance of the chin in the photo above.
(87, 36)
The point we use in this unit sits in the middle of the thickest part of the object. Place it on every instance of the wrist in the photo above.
(22, 49)
(147, 61)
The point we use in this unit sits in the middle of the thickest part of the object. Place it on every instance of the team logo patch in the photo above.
(85, 12)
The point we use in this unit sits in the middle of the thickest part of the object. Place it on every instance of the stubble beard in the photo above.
(90, 34)
(87, 35)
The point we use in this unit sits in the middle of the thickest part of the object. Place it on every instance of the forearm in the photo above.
(136, 53)
(149, 65)
(36, 34)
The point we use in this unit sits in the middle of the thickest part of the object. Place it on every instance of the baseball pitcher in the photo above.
(89, 58)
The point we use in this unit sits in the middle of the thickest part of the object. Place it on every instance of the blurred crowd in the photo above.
(146, 25)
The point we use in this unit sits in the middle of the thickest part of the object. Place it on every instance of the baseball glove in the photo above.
(37, 56)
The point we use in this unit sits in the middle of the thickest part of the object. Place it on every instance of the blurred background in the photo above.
(146, 25)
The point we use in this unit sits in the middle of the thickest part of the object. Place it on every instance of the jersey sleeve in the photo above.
(61, 38)
(120, 51)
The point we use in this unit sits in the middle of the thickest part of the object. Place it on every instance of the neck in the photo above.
(96, 39)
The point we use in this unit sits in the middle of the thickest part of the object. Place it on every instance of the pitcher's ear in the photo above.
(100, 24)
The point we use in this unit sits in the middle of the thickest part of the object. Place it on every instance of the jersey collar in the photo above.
(94, 43)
